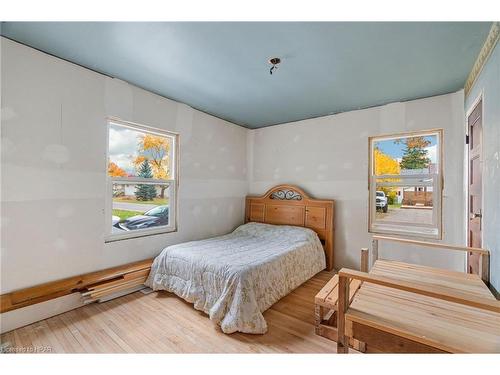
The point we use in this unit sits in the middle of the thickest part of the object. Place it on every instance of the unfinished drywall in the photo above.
(328, 157)
(54, 168)
(488, 84)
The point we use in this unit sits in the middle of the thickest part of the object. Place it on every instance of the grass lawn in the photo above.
(125, 214)
(131, 199)
(395, 205)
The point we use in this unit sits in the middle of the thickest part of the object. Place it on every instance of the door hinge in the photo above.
(467, 139)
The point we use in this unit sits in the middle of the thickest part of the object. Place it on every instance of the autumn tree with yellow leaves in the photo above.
(155, 150)
(115, 171)
(385, 165)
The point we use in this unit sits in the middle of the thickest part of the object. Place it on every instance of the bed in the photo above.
(286, 240)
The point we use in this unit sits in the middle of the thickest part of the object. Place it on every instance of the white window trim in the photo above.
(433, 230)
(173, 185)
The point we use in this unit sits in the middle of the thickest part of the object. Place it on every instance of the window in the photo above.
(141, 181)
(405, 184)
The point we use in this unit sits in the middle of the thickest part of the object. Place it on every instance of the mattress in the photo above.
(236, 277)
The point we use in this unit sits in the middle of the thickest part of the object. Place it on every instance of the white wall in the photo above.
(328, 157)
(53, 168)
(488, 83)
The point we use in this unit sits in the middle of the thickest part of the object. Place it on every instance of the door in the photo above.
(475, 139)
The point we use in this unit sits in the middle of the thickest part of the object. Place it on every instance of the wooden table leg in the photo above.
(318, 318)
(343, 303)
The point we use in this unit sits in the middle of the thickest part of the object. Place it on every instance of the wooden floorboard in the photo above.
(164, 323)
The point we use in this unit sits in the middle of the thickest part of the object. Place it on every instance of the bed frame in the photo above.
(290, 205)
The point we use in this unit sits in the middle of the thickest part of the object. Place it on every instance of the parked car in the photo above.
(115, 220)
(381, 201)
(155, 217)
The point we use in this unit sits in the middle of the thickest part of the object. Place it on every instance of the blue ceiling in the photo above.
(221, 68)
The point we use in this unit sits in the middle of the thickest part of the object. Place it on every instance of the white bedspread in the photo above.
(236, 277)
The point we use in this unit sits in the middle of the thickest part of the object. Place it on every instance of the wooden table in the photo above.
(392, 320)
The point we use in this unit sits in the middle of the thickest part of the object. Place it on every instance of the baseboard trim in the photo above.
(81, 283)
(30, 314)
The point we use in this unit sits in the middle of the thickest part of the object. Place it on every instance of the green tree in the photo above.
(145, 192)
(415, 154)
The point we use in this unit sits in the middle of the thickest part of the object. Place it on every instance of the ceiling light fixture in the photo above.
(274, 61)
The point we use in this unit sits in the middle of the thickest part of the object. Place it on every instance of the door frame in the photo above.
(479, 97)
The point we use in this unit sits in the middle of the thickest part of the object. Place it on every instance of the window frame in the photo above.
(402, 228)
(173, 184)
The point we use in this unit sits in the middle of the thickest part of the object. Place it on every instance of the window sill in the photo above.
(420, 232)
(138, 234)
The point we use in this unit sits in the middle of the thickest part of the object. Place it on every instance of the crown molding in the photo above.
(484, 54)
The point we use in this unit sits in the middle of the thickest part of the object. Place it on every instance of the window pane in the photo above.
(133, 153)
(139, 206)
(406, 155)
(403, 201)
(405, 192)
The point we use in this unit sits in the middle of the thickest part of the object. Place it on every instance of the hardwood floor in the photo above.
(164, 323)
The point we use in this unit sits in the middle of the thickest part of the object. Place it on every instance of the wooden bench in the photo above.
(408, 308)
(326, 305)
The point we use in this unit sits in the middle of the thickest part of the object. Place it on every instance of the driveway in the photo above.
(411, 215)
(132, 206)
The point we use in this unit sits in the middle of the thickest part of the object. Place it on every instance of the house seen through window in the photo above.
(141, 180)
(405, 184)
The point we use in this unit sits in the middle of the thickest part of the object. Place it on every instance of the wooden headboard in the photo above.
(289, 205)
